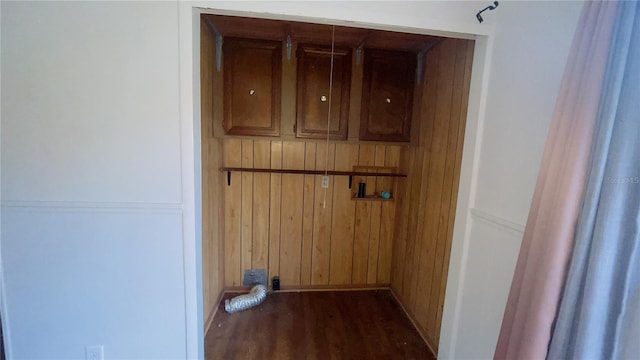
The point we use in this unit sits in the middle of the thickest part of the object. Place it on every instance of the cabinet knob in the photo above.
(251, 92)
(388, 101)
(323, 98)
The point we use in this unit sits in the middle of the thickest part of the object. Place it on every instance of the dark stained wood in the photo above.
(387, 95)
(303, 32)
(212, 189)
(321, 34)
(252, 83)
(427, 204)
(399, 41)
(317, 325)
(314, 71)
(245, 27)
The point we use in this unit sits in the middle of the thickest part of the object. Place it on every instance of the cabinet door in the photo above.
(387, 95)
(314, 68)
(252, 78)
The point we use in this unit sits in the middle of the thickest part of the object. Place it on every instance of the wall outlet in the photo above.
(95, 352)
(325, 182)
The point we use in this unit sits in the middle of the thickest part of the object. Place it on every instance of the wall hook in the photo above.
(490, 7)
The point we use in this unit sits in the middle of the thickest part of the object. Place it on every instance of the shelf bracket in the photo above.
(219, 41)
(289, 46)
(420, 66)
(359, 52)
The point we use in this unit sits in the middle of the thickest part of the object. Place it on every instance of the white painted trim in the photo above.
(466, 196)
(190, 121)
(427, 26)
(191, 190)
(86, 206)
(498, 222)
(6, 332)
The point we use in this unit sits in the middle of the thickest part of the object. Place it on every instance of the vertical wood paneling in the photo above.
(467, 49)
(403, 193)
(427, 204)
(284, 226)
(279, 222)
(343, 222)
(380, 151)
(261, 205)
(232, 150)
(422, 162)
(387, 220)
(211, 156)
(361, 242)
(355, 97)
(291, 214)
(458, 57)
(307, 214)
(438, 151)
(288, 98)
(376, 213)
(321, 250)
(366, 157)
(247, 207)
(374, 242)
(274, 210)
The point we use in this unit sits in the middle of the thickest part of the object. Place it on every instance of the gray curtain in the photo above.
(599, 314)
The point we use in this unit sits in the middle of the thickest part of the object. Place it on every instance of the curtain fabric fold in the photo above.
(599, 314)
(549, 233)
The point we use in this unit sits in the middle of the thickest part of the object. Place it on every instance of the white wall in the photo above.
(517, 71)
(91, 180)
(99, 179)
(531, 45)
(528, 55)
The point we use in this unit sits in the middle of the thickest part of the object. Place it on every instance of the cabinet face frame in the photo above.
(230, 48)
(404, 60)
(341, 56)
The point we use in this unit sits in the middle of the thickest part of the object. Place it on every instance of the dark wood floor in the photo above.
(317, 325)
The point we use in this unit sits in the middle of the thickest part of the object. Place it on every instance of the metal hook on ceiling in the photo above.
(490, 7)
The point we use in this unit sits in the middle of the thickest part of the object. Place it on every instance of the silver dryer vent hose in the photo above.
(242, 302)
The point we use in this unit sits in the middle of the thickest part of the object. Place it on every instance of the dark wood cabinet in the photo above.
(387, 95)
(252, 85)
(314, 68)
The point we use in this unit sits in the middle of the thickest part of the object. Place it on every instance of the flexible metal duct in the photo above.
(242, 302)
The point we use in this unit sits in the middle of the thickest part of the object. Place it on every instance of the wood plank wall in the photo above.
(279, 222)
(212, 192)
(427, 200)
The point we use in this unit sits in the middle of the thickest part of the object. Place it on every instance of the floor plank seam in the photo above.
(315, 324)
(414, 322)
(207, 324)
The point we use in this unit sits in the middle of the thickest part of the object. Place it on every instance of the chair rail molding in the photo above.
(497, 222)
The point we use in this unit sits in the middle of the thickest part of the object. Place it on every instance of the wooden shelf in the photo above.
(382, 179)
(312, 172)
(371, 198)
(350, 174)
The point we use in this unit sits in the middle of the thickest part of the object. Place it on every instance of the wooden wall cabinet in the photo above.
(314, 69)
(252, 86)
(387, 95)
